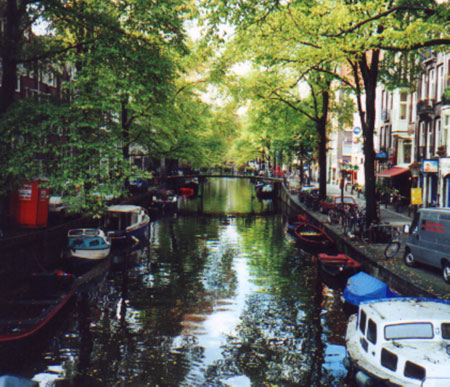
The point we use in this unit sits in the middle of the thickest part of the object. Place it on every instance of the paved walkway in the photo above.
(387, 214)
(418, 281)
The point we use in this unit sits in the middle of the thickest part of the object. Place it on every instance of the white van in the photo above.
(429, 240)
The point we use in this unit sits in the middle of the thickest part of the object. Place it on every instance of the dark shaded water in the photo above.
(210, 300)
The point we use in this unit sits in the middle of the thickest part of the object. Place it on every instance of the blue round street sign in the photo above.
(357, 130)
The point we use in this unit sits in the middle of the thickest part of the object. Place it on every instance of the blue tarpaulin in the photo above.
(363, 287)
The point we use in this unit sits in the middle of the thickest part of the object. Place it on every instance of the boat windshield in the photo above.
(409, 331)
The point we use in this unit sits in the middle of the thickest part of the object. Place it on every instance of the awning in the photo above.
(394, 171)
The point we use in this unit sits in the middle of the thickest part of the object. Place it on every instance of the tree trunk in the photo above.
(369, 74)
(322, 154)
(12, 37)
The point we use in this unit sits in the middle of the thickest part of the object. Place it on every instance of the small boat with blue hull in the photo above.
(399, 341)
(126, 224)
(88, 244)
(85, 248)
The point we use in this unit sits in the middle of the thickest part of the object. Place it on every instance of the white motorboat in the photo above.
(88, 243)
(400, 342)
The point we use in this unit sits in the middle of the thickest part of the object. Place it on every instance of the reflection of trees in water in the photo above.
(279, 338)
(133, 332)
(269, 346)
(132, 339)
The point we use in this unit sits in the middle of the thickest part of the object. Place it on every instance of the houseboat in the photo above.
(400, 342)
(126, 224)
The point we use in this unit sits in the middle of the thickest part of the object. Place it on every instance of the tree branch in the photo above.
(379, 16)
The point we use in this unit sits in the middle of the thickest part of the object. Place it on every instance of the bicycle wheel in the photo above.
(333, 217)
(392, 249)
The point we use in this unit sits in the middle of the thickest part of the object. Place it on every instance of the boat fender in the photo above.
(347, 363)
(363, 379)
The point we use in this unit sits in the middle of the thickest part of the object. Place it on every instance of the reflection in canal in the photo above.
(210, 300)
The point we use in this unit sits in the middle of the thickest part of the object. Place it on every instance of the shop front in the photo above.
(444, 180)
(398, 178)
(430, 173)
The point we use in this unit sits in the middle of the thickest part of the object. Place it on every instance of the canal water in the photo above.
(220, 298)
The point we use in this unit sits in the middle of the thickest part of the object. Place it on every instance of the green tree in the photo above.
(124, 56)
(328, 35)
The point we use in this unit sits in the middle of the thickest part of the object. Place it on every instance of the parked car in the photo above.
(429, 240)
(332, 201)
(307, 190)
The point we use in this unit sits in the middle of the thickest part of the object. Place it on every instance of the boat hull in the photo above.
(338, 268)
(312, 236)
(25, 313)
(90, 255)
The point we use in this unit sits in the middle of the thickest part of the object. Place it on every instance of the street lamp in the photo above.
(414, 168)
(342, 182)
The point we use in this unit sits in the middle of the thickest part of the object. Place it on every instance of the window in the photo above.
(389, 359)
(423, 92)
(430, 141)
(439, 137)
(372, 332)
(362, 322)
(403, 111)
(94, 243)
(445, 328)
(409, 331)
(422, 134)
(414, 371)
(407, 146)
(432, 80)
(440, 81)
(364, 344)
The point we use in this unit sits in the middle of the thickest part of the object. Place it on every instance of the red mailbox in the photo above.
(29, 205)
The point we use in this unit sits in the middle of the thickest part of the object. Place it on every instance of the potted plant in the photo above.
(446, 96)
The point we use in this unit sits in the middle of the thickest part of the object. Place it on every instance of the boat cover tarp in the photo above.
(16, 381)
(364, 287)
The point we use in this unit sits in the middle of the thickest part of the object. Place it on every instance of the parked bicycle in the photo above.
(394, 245)
(374, 232)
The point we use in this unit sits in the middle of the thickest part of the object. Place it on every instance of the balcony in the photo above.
(425, 109)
